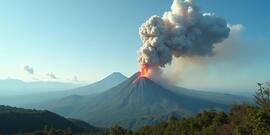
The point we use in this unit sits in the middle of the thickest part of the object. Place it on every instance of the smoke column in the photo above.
(182, 32)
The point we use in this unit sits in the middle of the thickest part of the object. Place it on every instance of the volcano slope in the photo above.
(136, 102)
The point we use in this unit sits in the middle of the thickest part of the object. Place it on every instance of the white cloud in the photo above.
(236, 28)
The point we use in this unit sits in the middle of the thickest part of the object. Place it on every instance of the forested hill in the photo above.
(14, 120)
(241, 120)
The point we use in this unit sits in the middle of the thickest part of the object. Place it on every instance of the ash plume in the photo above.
(182, 32)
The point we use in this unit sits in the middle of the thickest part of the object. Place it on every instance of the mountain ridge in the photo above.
(100, 86)
(19, 87)
(37, 98)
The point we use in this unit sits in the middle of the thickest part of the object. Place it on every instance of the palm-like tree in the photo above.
(263, 95)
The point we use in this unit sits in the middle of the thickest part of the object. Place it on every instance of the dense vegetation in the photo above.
(13, 120)
(241, 120)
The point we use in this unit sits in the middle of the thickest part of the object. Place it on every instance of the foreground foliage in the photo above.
(13, 120)
(241, 120)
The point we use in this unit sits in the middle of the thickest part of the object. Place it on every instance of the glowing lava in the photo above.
(144, 71)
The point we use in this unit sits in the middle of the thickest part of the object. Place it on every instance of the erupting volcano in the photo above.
(136, 102)
(182, 32)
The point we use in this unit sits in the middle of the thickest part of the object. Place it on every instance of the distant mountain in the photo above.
(13, 87)
(100, 86)
(14, 120)
(136, 102)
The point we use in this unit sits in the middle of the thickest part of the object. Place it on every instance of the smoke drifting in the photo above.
(51, 76)
(29, 69)
(182, 32)
(232, 68)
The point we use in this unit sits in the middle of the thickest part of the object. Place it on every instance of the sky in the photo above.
(85, 40)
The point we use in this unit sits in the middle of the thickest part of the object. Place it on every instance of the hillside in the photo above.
(13, 120)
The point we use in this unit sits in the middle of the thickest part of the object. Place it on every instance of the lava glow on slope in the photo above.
(144, 71)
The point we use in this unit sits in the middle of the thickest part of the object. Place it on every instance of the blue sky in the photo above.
(91, 38)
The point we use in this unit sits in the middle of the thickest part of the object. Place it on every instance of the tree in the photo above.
(117, 130)
(262, 96)
(68, 131)
(52, 131)
(261, 122)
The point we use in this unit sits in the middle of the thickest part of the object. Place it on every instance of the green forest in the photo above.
(244, 119)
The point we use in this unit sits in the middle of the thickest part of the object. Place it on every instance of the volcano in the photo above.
(136, 102)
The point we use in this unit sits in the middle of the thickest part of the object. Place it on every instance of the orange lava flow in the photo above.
(144, 71)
